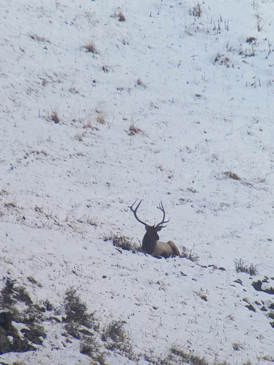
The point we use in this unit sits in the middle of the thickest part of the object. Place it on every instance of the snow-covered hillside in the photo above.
(105, 102)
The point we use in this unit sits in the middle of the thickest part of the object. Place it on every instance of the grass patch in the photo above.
(122, 242)
(240, 266)
(90, 48)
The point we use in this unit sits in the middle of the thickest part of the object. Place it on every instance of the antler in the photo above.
(163, 221)
(134, 211)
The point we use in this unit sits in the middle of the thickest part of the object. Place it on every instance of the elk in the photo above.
(151, 243)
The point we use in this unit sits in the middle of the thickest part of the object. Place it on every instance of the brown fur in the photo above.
(165, 249)
(151, 243)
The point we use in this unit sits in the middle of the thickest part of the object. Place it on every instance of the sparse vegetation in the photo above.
(54, 117)
(201, 294)
(6, 299)
(94, 342)
(100, 119)
(259, 22)
(178, 356)
(115, 331)
(232, 175)
(122, 242)
(90, 48)
(139, 82)
(196, 11)
(134, 130)
(32, 332)
(121, 17)
(172, 69)
(38, 38)
(189, 254)
(242, 267)
(237, 346)
(89, 347)
(90, 126)
(83, 326)
(116, 339)
(106, 69)
(77, 315)
(216, 26)
(223, 60)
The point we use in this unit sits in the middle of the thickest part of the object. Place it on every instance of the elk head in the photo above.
(150, 242)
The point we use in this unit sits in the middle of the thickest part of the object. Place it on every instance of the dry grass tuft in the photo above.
(139, 82)
(122, 242)
(196, 11)
(90, 48)
(105, 69)
(121, 17)
(37, 38)
(240, 266)
(134, 130)
(54, 117)
(100, 119)
(232, 175)
(90, 126)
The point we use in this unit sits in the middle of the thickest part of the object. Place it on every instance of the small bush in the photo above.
(30, 317)
(35, 334)
(76, 314)
(242, 267)
(177, 356)
(6, 298)
(83, 326)
(90, 347)
(114, 331)
(117, 339)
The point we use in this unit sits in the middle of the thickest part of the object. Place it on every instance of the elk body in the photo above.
(151, 243)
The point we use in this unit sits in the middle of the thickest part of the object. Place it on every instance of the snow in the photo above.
(65, 186)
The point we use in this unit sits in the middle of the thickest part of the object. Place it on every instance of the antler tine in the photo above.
(163, 221)
(134, 211)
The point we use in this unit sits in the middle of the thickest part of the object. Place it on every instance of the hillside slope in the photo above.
(105, 102)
